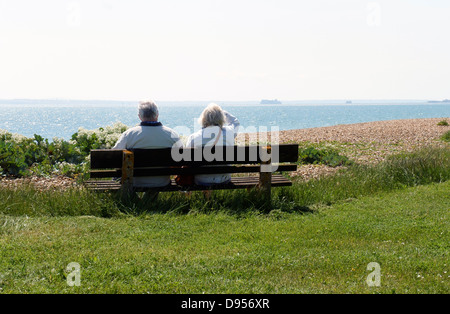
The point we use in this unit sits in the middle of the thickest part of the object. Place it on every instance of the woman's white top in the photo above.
(207, 137)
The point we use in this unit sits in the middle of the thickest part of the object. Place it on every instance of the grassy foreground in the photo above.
(327, 250)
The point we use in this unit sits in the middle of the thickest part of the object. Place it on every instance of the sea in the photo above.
(62, 118)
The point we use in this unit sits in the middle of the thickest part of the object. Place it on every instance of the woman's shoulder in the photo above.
(228, 128)
(193, 136)
(197, 133)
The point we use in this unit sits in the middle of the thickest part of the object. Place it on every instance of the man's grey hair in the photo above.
(148, 110)
(212, 115)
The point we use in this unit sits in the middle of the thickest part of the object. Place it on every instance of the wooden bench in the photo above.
(107, 164)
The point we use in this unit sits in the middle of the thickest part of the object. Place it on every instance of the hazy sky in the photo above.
(225, 49)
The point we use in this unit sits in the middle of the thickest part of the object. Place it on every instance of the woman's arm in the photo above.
(232, 121)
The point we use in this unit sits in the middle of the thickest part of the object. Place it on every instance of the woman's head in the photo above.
(212, 116)
(148, 111)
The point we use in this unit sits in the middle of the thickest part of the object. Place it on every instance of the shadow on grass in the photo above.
(232, 202)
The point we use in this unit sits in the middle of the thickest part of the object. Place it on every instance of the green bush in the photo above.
(17, 153)
(22, 156)
(443, 123)
(326, 156)
(446, 137)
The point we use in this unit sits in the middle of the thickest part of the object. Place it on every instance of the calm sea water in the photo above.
(62, 120)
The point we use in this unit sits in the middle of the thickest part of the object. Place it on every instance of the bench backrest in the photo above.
(169, 162)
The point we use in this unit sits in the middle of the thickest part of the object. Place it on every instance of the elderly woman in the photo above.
(218, 128)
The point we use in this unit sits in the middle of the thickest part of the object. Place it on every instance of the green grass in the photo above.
(319, 236)
(326, 251)
(329, 156)
(446, 137)
(429, 165)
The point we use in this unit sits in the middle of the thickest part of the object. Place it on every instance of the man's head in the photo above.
(148, 111)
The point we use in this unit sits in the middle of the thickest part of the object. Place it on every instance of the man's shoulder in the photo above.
(169, 130)
(135, 129)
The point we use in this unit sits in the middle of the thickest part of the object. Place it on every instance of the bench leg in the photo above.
(207, 194)
(265, 186)
(150, 196)
(128, 194)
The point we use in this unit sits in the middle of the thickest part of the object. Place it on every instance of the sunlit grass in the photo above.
(326, 251)
(317, 236)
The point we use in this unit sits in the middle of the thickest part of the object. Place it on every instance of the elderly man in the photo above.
(150, 133)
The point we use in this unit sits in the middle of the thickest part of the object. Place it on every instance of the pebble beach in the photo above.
(408, 132)
(369, 142)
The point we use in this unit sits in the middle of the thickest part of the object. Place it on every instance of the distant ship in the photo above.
(270, 102)
(437, 101)
(348, 102)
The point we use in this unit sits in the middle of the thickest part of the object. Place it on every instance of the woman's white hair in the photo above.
(212, 115)
(148, 110)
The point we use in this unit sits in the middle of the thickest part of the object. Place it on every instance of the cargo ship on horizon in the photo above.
(270, 102)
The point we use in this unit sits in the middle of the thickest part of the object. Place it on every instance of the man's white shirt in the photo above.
(149, 136)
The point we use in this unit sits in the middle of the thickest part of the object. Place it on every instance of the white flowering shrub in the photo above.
(21, 156)
(12, 137)
(101, 138)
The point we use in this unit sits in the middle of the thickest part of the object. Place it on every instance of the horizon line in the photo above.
(219, 100)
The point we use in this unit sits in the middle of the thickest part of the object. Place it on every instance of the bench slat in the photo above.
(236, 183)
(108, 158)
(147, 172)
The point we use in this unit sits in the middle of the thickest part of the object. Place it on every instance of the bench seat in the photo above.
(236, 183)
